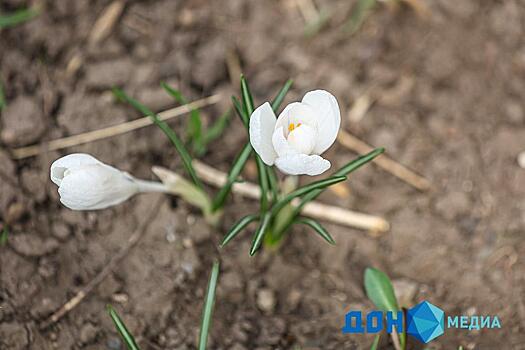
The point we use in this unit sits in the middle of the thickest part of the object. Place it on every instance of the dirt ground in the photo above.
(448, 93)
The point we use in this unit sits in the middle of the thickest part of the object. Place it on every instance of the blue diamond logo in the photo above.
(425, 322)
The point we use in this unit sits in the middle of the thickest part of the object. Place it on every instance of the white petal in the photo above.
(296, 113)
(95, 186)
(302, 164)
(328, 117)
(262, 124)
(71, 161)
(280, 144)
(303, 139)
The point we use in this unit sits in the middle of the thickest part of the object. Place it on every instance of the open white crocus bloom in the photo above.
(303, 131)
(85, 183)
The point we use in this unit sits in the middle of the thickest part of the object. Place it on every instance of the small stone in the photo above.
(405, 291)
(266, 300)
(22, 122)
(32, 245)
(32, 181)
(15, 211)
(88, 333)
(114, 343)
(293, 299)
(61, 231)
(521, 160)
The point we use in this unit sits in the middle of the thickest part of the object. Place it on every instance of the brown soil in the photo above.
(449, 94)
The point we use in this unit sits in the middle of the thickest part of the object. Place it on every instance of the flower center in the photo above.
(292, 126)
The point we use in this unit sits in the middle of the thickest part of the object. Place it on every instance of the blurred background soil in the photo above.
(448, 94)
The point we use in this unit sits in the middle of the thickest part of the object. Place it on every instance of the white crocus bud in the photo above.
(85, 183)
(303, 131)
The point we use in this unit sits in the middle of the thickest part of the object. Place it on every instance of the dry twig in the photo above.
(122, 253)
(313, 209)
(398, 170)
(105, 23)
(99, 134)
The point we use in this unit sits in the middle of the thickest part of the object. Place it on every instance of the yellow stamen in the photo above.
(292, 126)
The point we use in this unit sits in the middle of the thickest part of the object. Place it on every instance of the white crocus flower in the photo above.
(303, 131)
(85, 183)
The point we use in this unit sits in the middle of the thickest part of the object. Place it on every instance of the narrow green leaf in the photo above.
(273, 183)
(247, 98)
(259, 234)
(17, 17)
(209, 303)
(179, 145)
(375, 343)
(358, 162)
(314, 186)
(194, 128)
(359, 15)
(2, 96)
(379, 290)
(4, 236)
(238, 227)
(240, 111)
(279, 98)
(263, 181)
(233, 175)
(217, 128)
(123, 331)
(318, 228)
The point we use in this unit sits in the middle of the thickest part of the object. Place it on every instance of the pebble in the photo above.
(88, 332)
(61, 231)
(266, 300)
(23, 122)
(405, 291)
(32, 245)
(521, 160)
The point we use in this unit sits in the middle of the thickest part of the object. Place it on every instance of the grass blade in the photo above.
(209, 303)
(194, 128)
(240, 111)
(278, 100)
(238, 227)
(317, 227)
(4, 236)
(379, 290)
(314, 186)
(217, 128)
(179, 145)
(259, 234)
(375, 343)
(263, 182)
(233, 175)
(358, 162)
(2, 96)
(17, 17)
(123, 331)
(359, 15)
(247, 98)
